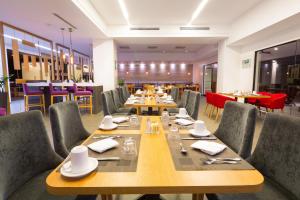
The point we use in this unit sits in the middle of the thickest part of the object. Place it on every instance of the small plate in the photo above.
(114, 126)
(182, 116)
(93, 164)
(201, 134)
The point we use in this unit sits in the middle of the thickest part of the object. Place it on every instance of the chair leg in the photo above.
(217, 115)
(26, 103)
(91, 104)
(43, 102)
(51, 100)
(205, 108)
(198, 196)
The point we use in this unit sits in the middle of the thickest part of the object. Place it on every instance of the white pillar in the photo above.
(228, 68)
(105, 61)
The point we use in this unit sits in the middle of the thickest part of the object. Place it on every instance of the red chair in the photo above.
(219, 102)
(255, 101)
(277, 101)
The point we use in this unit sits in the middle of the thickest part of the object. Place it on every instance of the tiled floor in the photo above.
(91, 123)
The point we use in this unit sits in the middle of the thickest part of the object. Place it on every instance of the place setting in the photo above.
(120, 122)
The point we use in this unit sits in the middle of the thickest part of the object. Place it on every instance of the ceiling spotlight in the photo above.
(173, 65)
(162, 65)
(275, 48)
(168, 73)
(132, 66)
(152, 65)
(142, 66)
(127, 72)
(196, 13)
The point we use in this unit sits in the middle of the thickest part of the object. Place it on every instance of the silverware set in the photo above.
(107, 136)
(212, 137)
(211, 161)
(108, 158)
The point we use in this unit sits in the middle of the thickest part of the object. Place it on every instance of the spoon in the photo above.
(105, 136)
(210, 162)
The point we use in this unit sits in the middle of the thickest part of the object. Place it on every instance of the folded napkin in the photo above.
(211, 148)
(120, 119)
(131, 101)
(103, 145)
(184, 122)
(168, 101)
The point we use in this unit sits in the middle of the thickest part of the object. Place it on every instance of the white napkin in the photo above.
(184, 122)
(131, 101)
(211, 148)
(168, 101)
(103, 145)
(120, 119)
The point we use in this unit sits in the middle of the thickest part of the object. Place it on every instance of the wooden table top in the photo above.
(151, 102)
(258, 96)
(155, 174)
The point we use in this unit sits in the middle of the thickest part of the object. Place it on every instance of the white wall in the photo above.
(104, 56)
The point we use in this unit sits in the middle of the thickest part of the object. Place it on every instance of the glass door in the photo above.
(210, 77)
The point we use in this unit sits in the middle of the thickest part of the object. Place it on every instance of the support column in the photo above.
(228, 68)
(105, 64)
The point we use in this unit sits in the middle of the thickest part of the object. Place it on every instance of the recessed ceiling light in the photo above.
(196, 13)
(275, 48)
(124, 10)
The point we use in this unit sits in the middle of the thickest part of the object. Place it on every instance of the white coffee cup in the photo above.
(107, 121)
(254, 92)
(199, 126)
(165, 94)
(182, 111)
(79, 159)
(132, 96)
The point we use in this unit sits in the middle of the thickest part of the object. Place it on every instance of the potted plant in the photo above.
(3, 94)
(121, 82)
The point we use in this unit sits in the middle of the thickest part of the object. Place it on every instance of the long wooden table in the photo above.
(150, 102)
(156, 174)
(241, 98)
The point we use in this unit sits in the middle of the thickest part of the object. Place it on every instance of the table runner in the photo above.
(125, 164)
(193, 160)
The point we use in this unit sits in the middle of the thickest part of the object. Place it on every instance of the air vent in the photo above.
(124, 47)
(184, 28)
(180, 47)
(145, 28)
(64, 20)
(152, 47)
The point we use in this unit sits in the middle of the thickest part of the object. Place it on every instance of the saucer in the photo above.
(114, 126)
(182, 116)
(93, 164)
(201, 134)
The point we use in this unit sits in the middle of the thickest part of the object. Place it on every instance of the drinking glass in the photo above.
(165, 118)
(129, 147)
(134, 121)
(174, 133)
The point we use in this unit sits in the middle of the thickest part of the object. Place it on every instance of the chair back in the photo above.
(116, 98)
(193, 103)
(237, 126)
(174, 93)
(276, 154)
(220, 100)
(67, 127)
(184, 99)
(125, 92)
(25, 150)
(209, 97)
(123, 100)
(25, 88)
(108, 105)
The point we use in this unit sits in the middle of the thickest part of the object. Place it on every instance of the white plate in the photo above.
(182, 116)
(93, 164)
(184, 122)
(120, 119)
(201, 134)
(108, 128)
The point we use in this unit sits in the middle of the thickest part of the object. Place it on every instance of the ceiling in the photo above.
(37, 17)
(172, 12)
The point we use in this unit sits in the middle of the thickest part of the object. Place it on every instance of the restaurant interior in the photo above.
(149, 100)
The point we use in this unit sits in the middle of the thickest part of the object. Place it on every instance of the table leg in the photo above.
(198, 196)
(150, 197)
(106, 196)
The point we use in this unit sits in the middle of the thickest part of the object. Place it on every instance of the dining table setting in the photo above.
(153, 155)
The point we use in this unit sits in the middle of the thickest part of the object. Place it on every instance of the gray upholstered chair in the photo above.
(67, 127)
(119, 105)
(122, 99)
(237, 126)
(182, 103)
(26, 158)
(125, 92)
(174, 93)
(108, 105)
(193, 103)
(276, 156)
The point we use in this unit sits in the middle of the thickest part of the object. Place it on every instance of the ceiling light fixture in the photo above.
(275, 48)
(200, 7)
(124, 10)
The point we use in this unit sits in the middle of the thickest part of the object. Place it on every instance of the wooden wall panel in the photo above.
(33, 61)
(16, 56)
(25, 62)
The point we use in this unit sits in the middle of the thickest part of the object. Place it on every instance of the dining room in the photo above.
(149, 100)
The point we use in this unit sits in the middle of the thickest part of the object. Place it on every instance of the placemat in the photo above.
(193, 160)
(125, 164)
(126, 125)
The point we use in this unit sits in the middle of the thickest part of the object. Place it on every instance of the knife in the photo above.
(200, 138)
(108, 158)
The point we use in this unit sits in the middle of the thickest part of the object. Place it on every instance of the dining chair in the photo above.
(57, 93)
(118, 104)
(193, 103)
(27, 158)
(219, 103)
(108, 105)
(174, 93)
(120, 92)
(276, 156)
(237, 126)
(30, 93)
(67, 127)
(182, 103)
(125, 92)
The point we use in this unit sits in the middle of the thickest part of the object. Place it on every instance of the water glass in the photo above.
(129, 147)
(174, 133)
(134, 121)
(165, 118)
